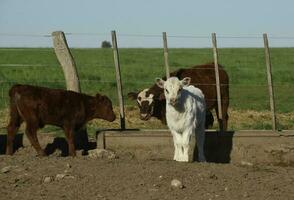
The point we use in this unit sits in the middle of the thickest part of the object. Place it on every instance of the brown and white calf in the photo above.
(151, 101)
(39, 106)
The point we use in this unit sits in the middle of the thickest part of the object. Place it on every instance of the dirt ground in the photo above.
(26, 176)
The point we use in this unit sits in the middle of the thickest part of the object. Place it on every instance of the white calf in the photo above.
(185, 116)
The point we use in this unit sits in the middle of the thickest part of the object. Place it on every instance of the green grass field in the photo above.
(139, 67)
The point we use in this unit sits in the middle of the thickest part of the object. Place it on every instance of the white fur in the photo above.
(143, 97)
(185, 118)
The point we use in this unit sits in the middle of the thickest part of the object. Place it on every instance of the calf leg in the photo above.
(70, 140)
(176, 151)
(223, 120)
(220, 120)
(181, 143)
(180, 149)
(225, 106)
(191, 147)
(11, 131)
(178, 146)
(188, 145)
(200, 138)
(31, 133)
(12, 128)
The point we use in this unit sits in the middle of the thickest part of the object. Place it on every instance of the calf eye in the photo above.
(139, 98)
(166, 91)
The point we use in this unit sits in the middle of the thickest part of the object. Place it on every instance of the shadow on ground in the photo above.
(218, 147)
(59, 143)
(18, 143)
(81, 143)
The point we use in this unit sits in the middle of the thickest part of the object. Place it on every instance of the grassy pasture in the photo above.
(139, 67)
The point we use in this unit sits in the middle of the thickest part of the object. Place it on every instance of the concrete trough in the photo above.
(247, 147)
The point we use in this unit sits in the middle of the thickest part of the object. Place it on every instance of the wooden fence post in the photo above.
(68, 65)
(217, 81)
(66, 60)
(165, 50)
(118, 80)
(270, 81)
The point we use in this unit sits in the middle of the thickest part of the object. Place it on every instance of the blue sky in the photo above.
(248, 18)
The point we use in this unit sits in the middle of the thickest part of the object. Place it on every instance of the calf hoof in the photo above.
(73, 154)
(203, 160)
(182, 160)
(191, 158)
(9, 153)
(42, 154)
(201, 157)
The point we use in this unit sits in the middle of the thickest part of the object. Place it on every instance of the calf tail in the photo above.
(13, 90)
(15, 112)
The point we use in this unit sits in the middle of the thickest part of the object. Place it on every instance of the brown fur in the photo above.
(203, 77)
(39, 106)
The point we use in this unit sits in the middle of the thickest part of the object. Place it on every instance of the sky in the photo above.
(140, 23)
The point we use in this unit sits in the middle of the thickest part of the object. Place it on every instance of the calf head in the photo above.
(103, 108)
(172, 88)
(145, 100)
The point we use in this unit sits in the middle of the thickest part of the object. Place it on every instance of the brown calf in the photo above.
(39, 106)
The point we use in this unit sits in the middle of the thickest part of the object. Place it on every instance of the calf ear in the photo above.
(100, 97)
(186, 81)
(133, 95)
(159, 82)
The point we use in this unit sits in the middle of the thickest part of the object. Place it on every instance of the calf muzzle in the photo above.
(145, 116)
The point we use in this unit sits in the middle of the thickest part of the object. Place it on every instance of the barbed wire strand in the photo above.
(253, 36)
(247, 85)
(111, 67)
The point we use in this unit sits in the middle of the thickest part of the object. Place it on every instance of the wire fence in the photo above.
(140, 66)
(208, 36)
(155, 40)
